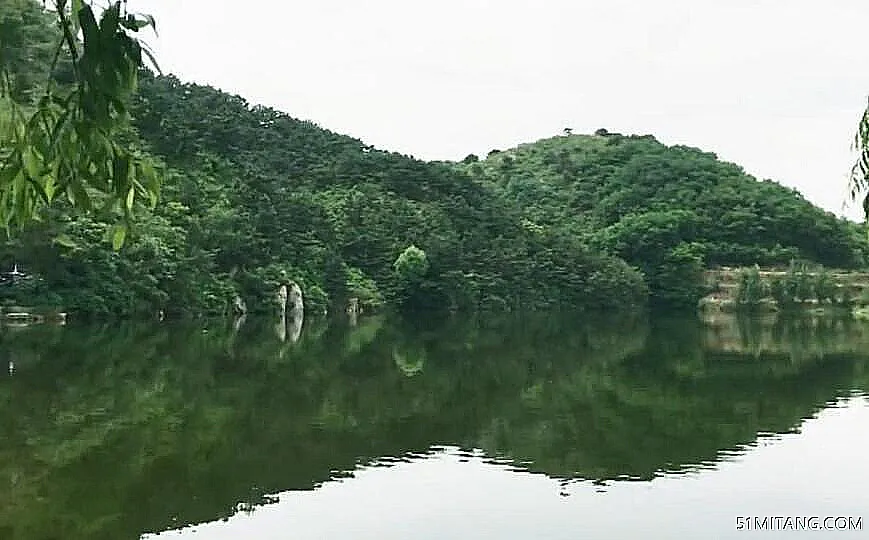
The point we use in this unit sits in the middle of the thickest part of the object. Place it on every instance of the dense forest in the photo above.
(250, 194)
(667, 210)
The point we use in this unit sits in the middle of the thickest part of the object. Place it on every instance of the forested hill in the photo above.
(251, 195)
(261, 192)
(668, 210)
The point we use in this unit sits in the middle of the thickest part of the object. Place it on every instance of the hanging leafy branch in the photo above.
(70, 144)
(859, 181)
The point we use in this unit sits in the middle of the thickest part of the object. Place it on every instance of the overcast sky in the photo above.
(776, 86)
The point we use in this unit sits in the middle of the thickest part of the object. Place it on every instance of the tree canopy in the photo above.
(667, 210)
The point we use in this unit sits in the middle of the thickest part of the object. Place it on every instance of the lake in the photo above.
(529, 427)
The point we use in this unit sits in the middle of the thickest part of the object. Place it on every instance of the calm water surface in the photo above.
(550, 428)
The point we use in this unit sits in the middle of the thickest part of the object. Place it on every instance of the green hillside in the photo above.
(251, 194)
(667, 210)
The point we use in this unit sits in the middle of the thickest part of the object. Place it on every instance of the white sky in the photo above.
(776, 86)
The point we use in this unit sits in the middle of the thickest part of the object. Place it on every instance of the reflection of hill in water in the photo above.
(679, 404)
(108, 433)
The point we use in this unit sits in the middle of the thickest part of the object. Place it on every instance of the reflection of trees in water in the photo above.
(801, 337)
(182, 421)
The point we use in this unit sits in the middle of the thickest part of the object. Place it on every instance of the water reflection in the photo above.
(117, 431)
(454, 493)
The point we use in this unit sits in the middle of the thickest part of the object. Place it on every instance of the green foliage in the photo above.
(752, 289)
(858, 183)
(780, 291)
(412, 265)
(661, 245)
(364, 289)
(410, 268)
(678, 279)
(824, 287)
(28, 40)
(252, 192)
(340, 212)
(636, 198)
(800, 281)
(70, 144)
(808, 283)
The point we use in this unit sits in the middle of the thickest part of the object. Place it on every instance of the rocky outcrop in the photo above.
(295, 303)
(292, 311)
(353, 310)
(238, 305)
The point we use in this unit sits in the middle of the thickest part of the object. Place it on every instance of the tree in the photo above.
(26, 46)
(410, 269)
(71, 143)
(412, 265)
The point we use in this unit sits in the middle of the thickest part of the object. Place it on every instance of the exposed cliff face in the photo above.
(780, 288)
